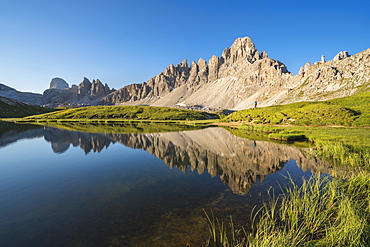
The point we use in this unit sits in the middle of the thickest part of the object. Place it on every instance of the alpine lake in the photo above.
(61, 187)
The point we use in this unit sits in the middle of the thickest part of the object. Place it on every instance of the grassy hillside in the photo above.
(348, 111)
(126, 112)
(11, 108)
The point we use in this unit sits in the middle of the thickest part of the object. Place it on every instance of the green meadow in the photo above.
(348, 111)
(124, 113)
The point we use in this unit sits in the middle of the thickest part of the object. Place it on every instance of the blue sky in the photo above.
(124, 42)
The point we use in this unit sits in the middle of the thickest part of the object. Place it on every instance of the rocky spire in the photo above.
(98, 90)
(83, 88)
(213, 67)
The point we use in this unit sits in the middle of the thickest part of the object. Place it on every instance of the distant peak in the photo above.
(58, 83)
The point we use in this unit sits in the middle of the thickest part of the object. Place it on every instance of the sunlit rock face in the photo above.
(243, 75)
(224, 82)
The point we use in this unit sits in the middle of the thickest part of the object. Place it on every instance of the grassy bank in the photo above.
(321, 212)
(324, 211)
(342, 146)
(348, 111)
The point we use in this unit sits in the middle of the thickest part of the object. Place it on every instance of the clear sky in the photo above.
(122, 42)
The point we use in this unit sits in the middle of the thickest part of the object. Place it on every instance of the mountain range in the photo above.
(235, 80)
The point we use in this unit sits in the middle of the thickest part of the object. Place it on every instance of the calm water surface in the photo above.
(67, 188)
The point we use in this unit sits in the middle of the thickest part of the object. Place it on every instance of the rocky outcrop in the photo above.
(58, 83)
(243, 75)
(343, 76)
(341, 55)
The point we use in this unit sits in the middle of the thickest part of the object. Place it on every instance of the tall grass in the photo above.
(343, 154)
(320, 212)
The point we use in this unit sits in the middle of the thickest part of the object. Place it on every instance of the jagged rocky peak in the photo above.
(341, 55)
(241, 62)
(98, 90)
(58, 83)
(242, 48)
(183, 64)
(85, 83)
(83, 88)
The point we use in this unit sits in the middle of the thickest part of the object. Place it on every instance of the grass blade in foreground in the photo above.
(321, 212)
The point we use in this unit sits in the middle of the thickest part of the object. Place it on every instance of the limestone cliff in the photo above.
(243, 75)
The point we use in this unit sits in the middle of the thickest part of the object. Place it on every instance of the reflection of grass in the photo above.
(321, 212)
(342, 146)
(348, 111)
(124, 127)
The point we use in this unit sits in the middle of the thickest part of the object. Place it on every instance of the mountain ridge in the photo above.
(235, 80)
(242, 75)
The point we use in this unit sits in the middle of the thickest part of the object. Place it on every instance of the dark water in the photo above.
(67, 188)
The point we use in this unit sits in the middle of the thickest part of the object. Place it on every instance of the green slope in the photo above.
(126, 112)
(348, 111)
(11, 108)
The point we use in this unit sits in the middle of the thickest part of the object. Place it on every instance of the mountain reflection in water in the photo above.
(237, 161)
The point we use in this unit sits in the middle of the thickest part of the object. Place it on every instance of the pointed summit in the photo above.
(242, 48)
